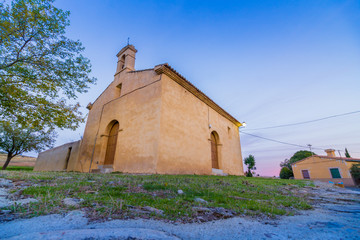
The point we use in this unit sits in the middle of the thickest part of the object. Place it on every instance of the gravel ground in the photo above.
(335, 216)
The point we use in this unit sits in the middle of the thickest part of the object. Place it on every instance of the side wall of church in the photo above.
(60, 158)
(185, 146)
(137, 110)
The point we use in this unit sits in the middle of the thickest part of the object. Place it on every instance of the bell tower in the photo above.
(126, 59)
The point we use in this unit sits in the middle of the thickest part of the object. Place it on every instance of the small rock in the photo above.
(180, 191)
(138, 211)
(222, 212)
(75, 214)
(200, 200)
(8, 219)
(201, 209)
(26, 201)
(5, 211)
(5, 182)
(269, 235)
(303, 192)
(91, 192)
(72, 202)
(154, 210)
(3, 192)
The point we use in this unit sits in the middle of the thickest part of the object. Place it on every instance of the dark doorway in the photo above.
(111, 144)
(214, 150)
(67, 158)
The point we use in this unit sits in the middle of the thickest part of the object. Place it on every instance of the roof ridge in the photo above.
(334, 158)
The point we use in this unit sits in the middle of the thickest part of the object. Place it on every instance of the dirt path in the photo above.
(335, 216)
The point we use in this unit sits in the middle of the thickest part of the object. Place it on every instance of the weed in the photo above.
(123, 196)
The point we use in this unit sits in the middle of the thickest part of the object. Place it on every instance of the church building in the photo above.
(151, 121)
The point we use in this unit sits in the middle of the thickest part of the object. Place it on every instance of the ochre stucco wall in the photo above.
(185, 134)
(55, 159)
(137, 110)
(319, 169)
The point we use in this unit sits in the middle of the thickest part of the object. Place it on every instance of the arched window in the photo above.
(214, 139)
(111, 144)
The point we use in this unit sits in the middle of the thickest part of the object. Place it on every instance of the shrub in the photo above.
(355, 173)
(286, 173)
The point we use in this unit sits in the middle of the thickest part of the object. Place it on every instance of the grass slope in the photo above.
(125, 196)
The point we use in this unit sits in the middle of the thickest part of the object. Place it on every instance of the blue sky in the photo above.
(266, 62)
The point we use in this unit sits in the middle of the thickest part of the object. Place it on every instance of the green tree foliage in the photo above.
(300, 155)
(286, 163)
(286, 173)
(40, 68)
(355, 173)
(250, 162)
(16, 139)
(347, 154)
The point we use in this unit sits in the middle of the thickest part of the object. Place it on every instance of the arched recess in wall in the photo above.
(214, 139)
(111, 143)
(122, 62)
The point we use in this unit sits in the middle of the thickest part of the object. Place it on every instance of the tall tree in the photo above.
(347, 154)
(16, 139)
(250, 162)
(40, 68)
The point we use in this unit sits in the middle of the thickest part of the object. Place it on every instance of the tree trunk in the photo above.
(9, 157)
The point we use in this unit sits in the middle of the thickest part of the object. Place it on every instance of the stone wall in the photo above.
(61, 158)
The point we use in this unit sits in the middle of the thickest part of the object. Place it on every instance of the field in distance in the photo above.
(18, 161)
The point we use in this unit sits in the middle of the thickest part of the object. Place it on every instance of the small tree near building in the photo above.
(16, 139)
(347, 154)
(250, 162)
(286, 163)
(355, 173)
(286, 173)
(299, 155)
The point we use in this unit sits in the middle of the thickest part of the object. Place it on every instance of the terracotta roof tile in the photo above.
(333, 158)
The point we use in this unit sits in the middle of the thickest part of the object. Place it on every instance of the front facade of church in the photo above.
(151, 121)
